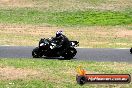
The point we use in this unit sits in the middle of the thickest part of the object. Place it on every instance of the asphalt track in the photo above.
(91, 54)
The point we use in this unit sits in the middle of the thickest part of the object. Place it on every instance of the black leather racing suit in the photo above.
(62, 42)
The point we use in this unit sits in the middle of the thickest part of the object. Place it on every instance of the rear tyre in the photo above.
(36, 53)
(70, 53)
(131, 50)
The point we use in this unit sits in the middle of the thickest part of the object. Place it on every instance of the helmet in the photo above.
(58, 33)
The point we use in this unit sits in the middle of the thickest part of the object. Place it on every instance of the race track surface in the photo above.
(91, 54)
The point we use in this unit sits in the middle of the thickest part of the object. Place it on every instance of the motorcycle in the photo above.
(48, 47)
(131, 50)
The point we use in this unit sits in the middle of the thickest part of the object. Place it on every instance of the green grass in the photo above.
(93, 2)
(75, 18)
(60, 73)
(26, 84)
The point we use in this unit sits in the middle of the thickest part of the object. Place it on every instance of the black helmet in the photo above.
(58, 33)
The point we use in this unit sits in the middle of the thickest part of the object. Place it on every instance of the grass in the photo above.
(92, 28)
(10, 39)
(24, 22)
(66, 5)
(96, 2)
(75, 18)
(86, 18)
(91, 37)
(55, 73)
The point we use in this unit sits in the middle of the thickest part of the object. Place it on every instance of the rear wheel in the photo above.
(36, 53)
(70, 53)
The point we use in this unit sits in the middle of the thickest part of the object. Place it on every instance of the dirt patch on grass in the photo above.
(62, 5)
(24, 34)
(27, 30)
(12, 73)
(93, 36)
(115, 4)
(16, 3)
(124, 33)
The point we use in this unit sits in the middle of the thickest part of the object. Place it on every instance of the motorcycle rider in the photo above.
(62, 40)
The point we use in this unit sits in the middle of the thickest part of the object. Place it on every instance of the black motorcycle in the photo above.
(48, 47)
(131, 50)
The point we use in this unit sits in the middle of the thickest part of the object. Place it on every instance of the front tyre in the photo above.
(36, 53)
(70, 53)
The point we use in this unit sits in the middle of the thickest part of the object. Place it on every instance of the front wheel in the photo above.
(70, 53)
(36, 53)
(131, 50)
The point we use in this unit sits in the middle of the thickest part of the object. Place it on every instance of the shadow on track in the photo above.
(55, 58)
